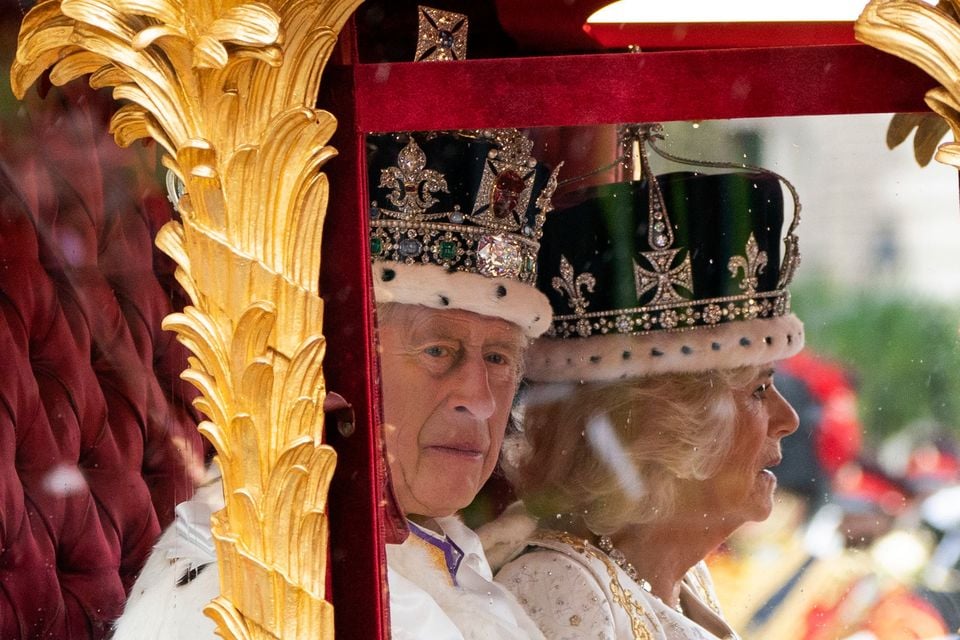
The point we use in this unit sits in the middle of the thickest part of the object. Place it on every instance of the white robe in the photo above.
(181, 577)
(425, 604)
(574, 591)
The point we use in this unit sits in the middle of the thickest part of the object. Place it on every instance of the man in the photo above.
(455, 224)
(443, 441)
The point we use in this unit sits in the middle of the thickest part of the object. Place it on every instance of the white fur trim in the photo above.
(617, 356)
(435, 287)
(160, 609)
(505, 537)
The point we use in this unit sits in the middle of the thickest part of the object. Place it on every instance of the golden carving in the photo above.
(929, 37)
(930, 130)
(227, 88)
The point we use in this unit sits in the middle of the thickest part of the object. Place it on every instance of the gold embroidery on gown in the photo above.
(639, 616)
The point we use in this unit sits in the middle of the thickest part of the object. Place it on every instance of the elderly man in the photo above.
(455, 224)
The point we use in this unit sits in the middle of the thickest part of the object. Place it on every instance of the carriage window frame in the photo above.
(526, 92)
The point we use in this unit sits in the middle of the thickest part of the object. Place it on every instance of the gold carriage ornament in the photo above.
(928, 36)
(228, 90)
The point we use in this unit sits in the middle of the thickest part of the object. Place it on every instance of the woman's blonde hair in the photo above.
(611, 454)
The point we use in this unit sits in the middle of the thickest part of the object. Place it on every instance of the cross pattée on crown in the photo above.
(665, 277)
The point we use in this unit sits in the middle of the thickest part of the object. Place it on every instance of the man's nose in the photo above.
(471, 390)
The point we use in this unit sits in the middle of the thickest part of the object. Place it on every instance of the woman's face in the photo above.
(742, 490)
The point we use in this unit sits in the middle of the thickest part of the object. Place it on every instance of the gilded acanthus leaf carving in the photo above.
(930, 130)
(227, 88)
(929, 37)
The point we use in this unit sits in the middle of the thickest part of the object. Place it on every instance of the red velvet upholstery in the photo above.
(97, 438)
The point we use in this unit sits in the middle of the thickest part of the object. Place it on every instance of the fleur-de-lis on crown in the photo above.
(753, 265)
(413, 184)
(572, 287)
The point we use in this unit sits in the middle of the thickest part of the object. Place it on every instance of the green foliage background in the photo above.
(904, 353)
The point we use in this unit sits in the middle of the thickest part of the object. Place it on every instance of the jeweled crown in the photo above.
(679, 271)
(703, 249)
(470, 201)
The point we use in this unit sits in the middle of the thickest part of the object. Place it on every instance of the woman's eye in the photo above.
(761, 391)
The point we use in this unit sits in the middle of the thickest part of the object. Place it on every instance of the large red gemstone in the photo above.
(506, 193)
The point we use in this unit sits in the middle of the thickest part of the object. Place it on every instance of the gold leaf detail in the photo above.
(929, 37)
(232, 104)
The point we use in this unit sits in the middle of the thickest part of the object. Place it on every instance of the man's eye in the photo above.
(436, 351)
(497, 358)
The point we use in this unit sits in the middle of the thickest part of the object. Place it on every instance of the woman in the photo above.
(652, 420)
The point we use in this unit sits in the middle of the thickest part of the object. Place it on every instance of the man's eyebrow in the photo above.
(511, 342)
(429, 330)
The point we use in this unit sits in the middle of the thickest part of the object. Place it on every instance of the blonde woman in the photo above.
(652, 418)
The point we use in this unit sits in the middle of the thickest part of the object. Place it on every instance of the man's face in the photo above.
(449, 378)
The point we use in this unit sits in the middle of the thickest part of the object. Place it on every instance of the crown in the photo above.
(471, 203)
(676, 272)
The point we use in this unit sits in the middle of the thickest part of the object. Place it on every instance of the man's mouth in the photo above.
(468, 451)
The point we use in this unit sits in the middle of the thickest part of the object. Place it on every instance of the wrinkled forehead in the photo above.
(418, 322)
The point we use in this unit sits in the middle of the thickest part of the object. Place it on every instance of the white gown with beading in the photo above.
(574, 591)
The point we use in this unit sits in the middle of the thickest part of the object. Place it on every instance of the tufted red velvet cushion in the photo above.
(97, 438)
